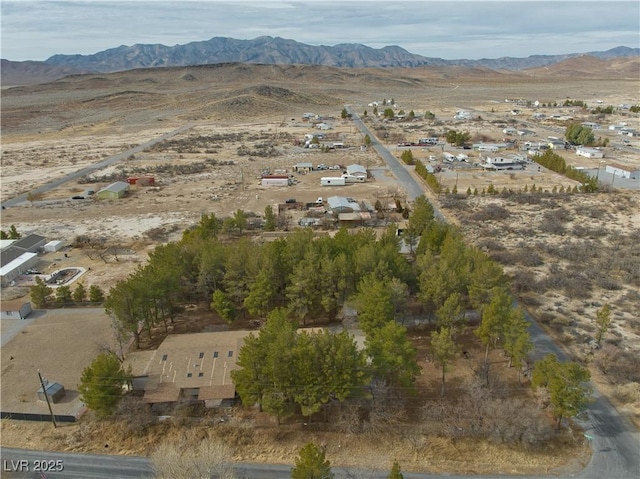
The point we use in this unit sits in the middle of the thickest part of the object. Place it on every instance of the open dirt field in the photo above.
(247, 119)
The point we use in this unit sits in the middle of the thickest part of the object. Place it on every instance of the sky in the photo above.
(36, 30)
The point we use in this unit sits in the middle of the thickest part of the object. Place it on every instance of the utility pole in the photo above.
(46, 396)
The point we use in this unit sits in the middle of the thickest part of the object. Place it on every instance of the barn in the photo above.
(113, 191)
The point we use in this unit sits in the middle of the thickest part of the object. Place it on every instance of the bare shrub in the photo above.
(490, 244)
(180, 460)
(628, 393)
(528, 257)
(137, 416)
(491, 213)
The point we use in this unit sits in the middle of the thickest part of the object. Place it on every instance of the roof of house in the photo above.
(339, 202)
(6, 243)
(303, 165)
(352, 169)
(29, 241)
(184, 361)
(622, 167)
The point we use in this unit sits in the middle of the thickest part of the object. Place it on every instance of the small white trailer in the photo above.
(332, 181)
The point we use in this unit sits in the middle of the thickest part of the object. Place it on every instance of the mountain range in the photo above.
(275, 50)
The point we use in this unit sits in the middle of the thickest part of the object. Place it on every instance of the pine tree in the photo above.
(395, 472)
(102, 382)
(311, 463)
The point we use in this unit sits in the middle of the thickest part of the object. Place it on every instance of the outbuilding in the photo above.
(275, 180)
(53, 246)
(15, 310)
(114, 191)
(304, 167)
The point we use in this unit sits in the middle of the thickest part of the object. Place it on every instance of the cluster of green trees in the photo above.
(407, 157)
(578, 103)
(599, 110)
(457, 138)
(42, 295)
(578, 134)
(635, 109)
(429, 178)
(556, 163)
(283, 370)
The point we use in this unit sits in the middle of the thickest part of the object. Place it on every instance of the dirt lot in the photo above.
(249, 119)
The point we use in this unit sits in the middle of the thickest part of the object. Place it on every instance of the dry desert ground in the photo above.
(243, 120)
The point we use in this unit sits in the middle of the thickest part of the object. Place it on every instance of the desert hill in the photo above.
(628, 67)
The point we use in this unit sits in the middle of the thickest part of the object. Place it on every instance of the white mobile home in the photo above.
(589, 152)
(333, 181)
(275, 180)
(353, 178)
(623, 171)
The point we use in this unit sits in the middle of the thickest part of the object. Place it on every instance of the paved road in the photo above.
(98, 466)
(616, 442)
(405, 178)
(93, 168)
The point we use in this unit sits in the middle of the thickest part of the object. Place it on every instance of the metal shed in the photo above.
(113, 191)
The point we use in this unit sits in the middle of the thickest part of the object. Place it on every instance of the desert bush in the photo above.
(490, 244)
(137, 416)
(491, 213)
(528, 257)
(628, 393)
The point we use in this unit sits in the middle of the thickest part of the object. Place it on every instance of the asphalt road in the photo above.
(404, 177)
(93, 168)
(615, 441)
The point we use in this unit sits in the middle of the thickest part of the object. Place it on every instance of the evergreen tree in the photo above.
(603, 321)
(269, 219)
(79, 294)
(101, 384)
(96, 295)
(395, 472)
(63, 294)
(223, 306)
(40, 293)
(311, 463)
(444, 351)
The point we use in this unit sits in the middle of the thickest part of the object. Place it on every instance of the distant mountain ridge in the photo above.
(275, 50)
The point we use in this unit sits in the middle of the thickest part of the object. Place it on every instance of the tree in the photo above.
(388, 113)
(240, 220)
(79, 294)
(566, 382)
(101, 384)
(223, 306)
(393, 356)
(578, 134)
(516, 339)
(40, 293)
(96, 295)
(311, 463)
(270, 220)
(63, 294)
(344, 113)
(603, 321)
(494, 317)
(444, 351)
(13, 233)
(395, 472)
(367, 138)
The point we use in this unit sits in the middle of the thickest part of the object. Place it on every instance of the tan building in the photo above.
(189, 367)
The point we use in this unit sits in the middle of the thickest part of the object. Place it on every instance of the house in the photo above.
(509, 131)
(275, 180)
(189, 367)
(499, 163)
(141, 180)
(332, 181)
(342, 204)
(304, 167)
(323, 126)
(623, 171)
(592, 125)
(15, 310)
(589, 152)
(353, 179)
(31, 243)
(357, 170)
(114, 191)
